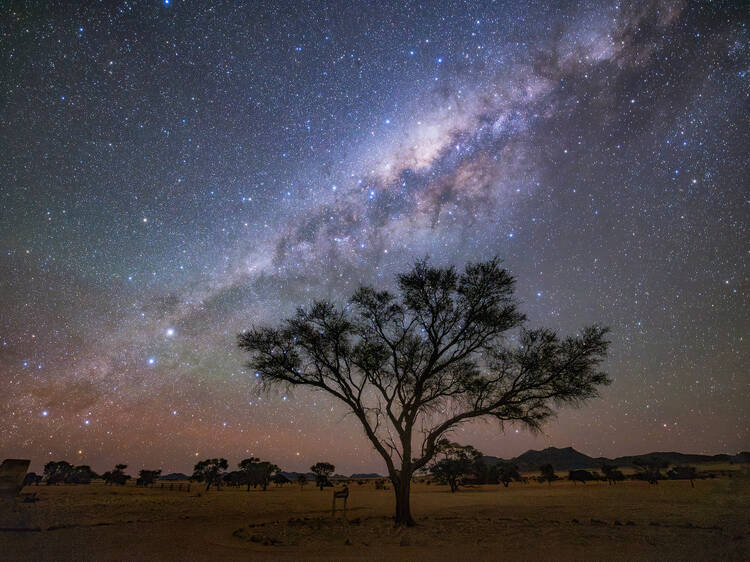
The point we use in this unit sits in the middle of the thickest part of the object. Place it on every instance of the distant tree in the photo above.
(683, 473)
(32, 478)
(116, 476)
(429, 361)
(507, 472)
(247, 469)
(148, 477)
(236, 478)
(611, 474)
(548, 474)
(81, 475)
(209, 471)
(322, 471)
(481, 472)
(453, 462)
(257, 472)
(279, 479)
(302, 481)
(57, 472)
(265, 472)
(580, 476)
(649, 469)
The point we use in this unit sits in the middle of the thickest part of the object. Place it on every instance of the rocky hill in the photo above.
(569, 459)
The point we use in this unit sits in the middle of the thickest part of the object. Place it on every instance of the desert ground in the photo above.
(631, 520)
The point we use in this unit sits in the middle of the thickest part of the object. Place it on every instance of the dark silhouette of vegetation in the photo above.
(279, 479)
(548, 474)
(116, 476)
(454, 462)
(322, 470)
(82, 475)
(582, 476)
(611, 474)
(504, 473)
(147, 477)
(62, 472)
(57, 472)
(236, 478)
(428, 360)
(209, 471)
(649, 469)
(683, 473)
(32, 479)
(302, 481)
(257, 472)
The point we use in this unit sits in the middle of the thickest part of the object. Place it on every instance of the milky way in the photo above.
(175, 173)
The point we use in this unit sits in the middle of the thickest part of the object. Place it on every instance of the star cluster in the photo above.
(174, 172)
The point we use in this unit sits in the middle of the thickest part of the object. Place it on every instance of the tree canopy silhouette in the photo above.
(455, 461)
(57, 472)
(548, 474)
(322, 470)
(257, 472)
(413, 367)
(209, 471)
(148, 477)
(117, 476)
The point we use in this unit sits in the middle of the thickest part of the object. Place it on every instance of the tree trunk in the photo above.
(402, 488)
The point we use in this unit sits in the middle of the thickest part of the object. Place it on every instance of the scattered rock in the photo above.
(575, 521)
(618, 523)
(268, 541)
(630, 523)
(599, 522)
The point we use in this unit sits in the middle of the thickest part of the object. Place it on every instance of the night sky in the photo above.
(173, 172)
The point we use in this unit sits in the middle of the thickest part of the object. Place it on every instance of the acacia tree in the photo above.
(209, 471)
(414, 367)
(148, 477)
(81, 475)
(56, 472)
(322, 470)
(257, 472)
(506, 473)
(455, 461)
(548, 474)
(117, 476)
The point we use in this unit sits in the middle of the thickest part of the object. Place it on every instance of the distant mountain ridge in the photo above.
(568, 458)
(174, 476)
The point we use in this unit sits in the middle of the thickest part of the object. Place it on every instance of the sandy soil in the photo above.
(629, 521)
